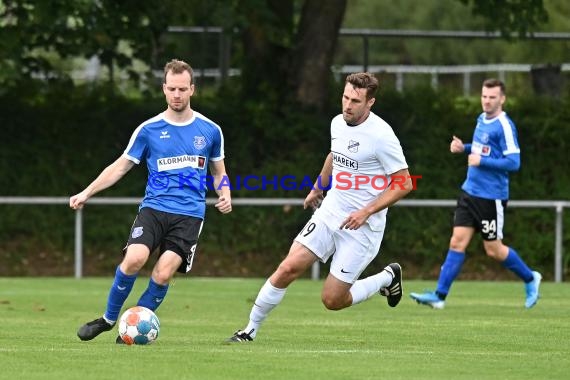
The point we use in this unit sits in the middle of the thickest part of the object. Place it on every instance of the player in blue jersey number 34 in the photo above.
(178, 146)
(493, 153)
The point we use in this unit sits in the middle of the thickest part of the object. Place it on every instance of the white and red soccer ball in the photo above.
(139, 325)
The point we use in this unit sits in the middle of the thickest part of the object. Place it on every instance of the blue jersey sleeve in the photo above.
(495, 141)
(509, 159)
(510, 163)
(138, 145)
(217, 152)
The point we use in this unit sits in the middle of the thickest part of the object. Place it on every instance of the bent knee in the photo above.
(334, 302)
(496, 252)
(161, 277)
(286, 272)
(458, 244)
(132, 265)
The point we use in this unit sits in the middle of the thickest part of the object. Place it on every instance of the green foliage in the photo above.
(509, 16)
(434, 15)
(57, 138)
(49, 39)
(54, 147)
(37, 35)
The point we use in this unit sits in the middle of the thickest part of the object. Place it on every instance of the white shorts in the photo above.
(351, 250)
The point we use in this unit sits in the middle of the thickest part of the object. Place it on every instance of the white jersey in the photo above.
(364, 157)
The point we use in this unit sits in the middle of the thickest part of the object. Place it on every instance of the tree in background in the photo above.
(453, 15)
(508, 16)
(282, 57)
(287, 46)
(36, 35)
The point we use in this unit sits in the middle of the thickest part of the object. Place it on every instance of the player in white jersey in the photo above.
(178, 146)
(369, 173)
(493, 153)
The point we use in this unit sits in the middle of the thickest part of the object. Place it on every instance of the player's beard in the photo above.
(349, 118)
(491, 111)
(352, 118)
(179, 106)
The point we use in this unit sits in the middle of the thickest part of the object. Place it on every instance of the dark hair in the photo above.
(492, 82)
(178, 67)
(364, 80)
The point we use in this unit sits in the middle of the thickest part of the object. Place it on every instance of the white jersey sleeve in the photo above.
(389, 152)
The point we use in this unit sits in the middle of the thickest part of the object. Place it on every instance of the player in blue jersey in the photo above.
(493, 153)
(178, 146)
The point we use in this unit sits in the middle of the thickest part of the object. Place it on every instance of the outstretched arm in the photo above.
(108, 177)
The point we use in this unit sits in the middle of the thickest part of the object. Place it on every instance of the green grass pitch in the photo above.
(483, 333)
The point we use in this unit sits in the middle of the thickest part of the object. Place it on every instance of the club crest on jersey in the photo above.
(485, 138)
(199, 142)
(137, 231)
(353, 146)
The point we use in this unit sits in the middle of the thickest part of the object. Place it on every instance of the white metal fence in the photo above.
(466, 71)
(92, 71)
(558, 207)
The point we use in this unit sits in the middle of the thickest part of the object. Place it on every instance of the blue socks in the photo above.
(153, 295)
(454, 261)
(449, 271)
(118, 294)
(122, 286)
(514, 263)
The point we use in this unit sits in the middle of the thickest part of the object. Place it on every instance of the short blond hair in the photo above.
(177, 66)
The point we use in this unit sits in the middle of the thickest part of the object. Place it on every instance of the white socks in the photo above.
(267, 298)
(363, 289)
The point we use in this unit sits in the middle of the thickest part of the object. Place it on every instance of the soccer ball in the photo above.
(139, 325)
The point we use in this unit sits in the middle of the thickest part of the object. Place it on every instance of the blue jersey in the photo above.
(495, 140)
(177, 157)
